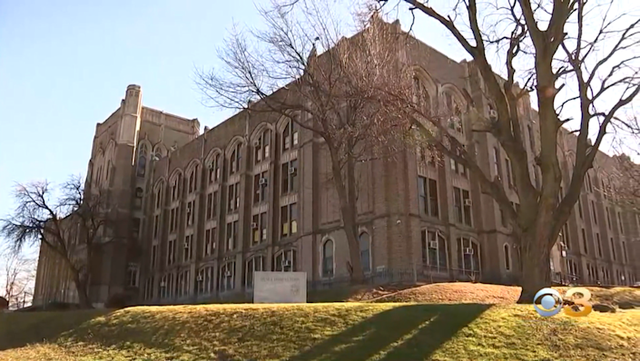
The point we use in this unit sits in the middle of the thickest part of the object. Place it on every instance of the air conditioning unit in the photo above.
(199, 279)
(254, 225)
(468, 250)
(292, 170)
(186, 244)
(227, 274)
(564, 253)
(467, 202)
(230, 243)
(262, 181)
(237, 202)
(433, 244)
(286, 263)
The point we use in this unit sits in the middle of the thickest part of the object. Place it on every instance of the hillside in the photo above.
(350, 331)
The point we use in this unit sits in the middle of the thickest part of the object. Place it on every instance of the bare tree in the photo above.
(284, 72)
(18, 273)
(70, 226)
(576, 58)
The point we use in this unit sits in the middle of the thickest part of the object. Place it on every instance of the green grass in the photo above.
(338, 331)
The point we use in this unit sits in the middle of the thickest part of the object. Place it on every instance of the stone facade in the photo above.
(254, 193)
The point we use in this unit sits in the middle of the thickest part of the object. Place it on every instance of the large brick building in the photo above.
(254, 193)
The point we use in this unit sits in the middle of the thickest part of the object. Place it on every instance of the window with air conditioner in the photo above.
(434, 250)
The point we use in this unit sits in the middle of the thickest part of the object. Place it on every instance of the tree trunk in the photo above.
(535, 269)
(83, 291)
(348, 211)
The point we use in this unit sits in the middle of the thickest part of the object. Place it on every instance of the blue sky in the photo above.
(65, 65)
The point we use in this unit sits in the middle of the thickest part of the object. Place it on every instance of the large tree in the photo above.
(18, 274)
(283, 70)
(579, 60)
(66, 220)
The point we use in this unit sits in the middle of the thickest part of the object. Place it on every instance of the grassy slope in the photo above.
(339, 331)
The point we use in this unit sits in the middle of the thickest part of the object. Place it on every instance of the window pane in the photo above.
(434, 210)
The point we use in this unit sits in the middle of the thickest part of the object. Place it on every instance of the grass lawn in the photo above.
(347, 331)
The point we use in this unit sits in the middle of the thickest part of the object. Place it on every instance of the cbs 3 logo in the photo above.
(548, 302)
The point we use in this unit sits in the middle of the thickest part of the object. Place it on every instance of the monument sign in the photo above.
(280, 287)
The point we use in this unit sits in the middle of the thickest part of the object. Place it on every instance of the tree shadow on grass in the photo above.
(411, 332)
(21, 329)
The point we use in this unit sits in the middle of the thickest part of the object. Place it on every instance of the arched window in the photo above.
(205, 280)
(167, 285)
(285, 261)
(182, 286)
(262, 147)
(434, 250)
(255, 264)
(234, 159)
(227, 277)
(365, 251)
(423, 98)
(158, 196)
(138, 196)
(193, 180)
(289, 135)
(507, 257)
(327, 259)
(142, 165)
(214, 169)
(468, 255)
(454, 108)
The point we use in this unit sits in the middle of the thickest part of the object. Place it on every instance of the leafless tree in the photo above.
(18, 273)
(579, 61)
(284, 71)
(69, 225)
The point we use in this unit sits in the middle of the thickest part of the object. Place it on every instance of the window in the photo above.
(171, 252)
(509, 171)
(261, 147)
(188, 248)
(259, 228)
(175, 188)
(620, 222)
(142, 165)
(205, 280)
(285, 261)
(599, 245)
(580, 208)
(507, 257)
(428, 189)
(132, 275)
(462, 206)
(613, 249)
(455, 120)
(158, 197)
(606, 211)
(588, 183)
(135, 227)
(148, 289)
(434, 250)
(584, 242)
(365, 251)
(503, 218)
(290, 177)
(166, 285)
(532, 141)
(289, 135)
(154, 256)
(260, 187)
(496, 162)
(594, 212)
(227, 277)
(234, 160)
(234, 197)
(173, 219)
(183, 285)
(214, 169)
(422, 96)
(564, 236)
(191, 212)
(210, 240)
(193, 180)
(327, 259)
(468, 255)
(156, 225)
(232, 235)
(212, 205)
(624, 252)
(289, 220)
(255, 264)
(138, 197)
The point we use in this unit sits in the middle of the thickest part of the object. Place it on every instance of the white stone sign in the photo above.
(280, 287)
